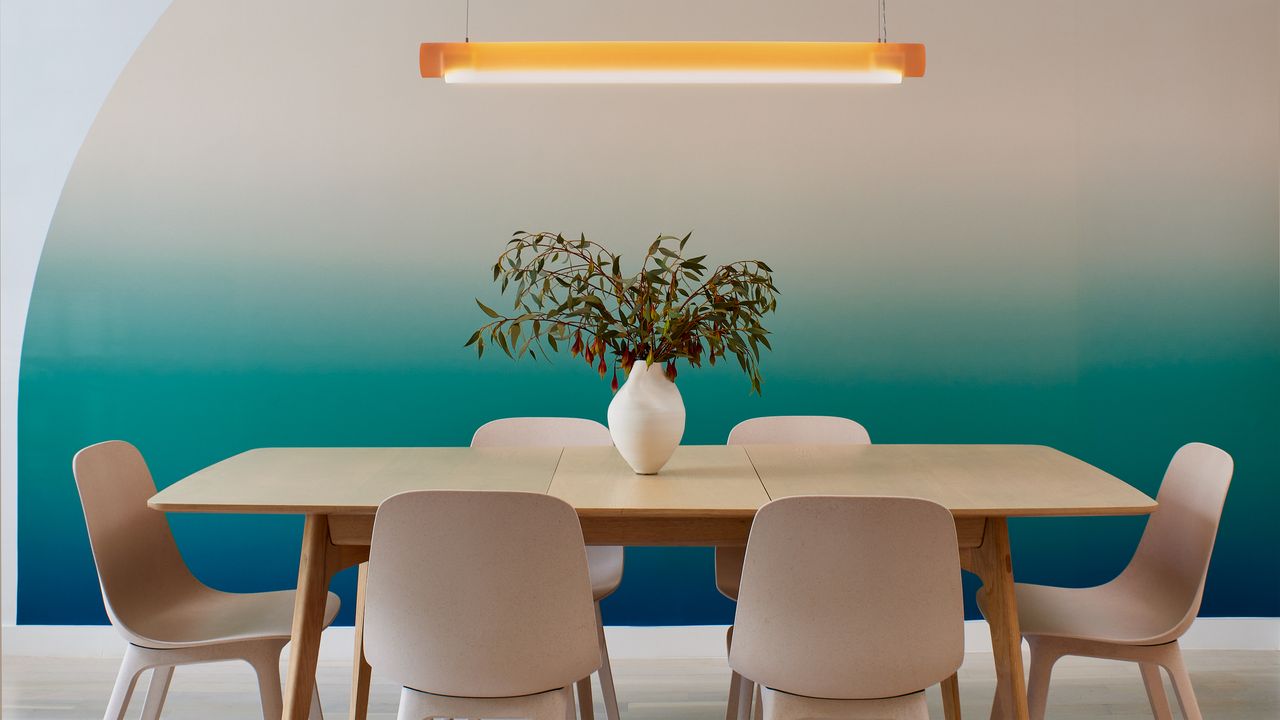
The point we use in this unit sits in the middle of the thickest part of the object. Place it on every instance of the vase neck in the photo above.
(643, 372)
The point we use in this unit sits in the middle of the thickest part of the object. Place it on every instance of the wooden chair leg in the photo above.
(130, 667)
(157, 689)
(1155, 691)
(1181, 683)
(951, 698)
(586, 706)
(607, 691)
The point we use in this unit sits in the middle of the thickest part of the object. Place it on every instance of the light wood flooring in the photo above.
(1230, 685)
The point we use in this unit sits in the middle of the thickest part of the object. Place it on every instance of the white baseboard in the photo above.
(694, 641)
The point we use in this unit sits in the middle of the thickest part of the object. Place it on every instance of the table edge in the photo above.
(639, 513)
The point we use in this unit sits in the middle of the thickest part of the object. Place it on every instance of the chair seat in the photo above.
(604, 564)
(1111, 613)
(211, 617)
(779, 704)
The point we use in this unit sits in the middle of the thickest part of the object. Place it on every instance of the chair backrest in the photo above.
(479, 594)
(541, 432)
(781, 430)
(140, 569)
(850, 597)
(799, 430)
(1172, 559)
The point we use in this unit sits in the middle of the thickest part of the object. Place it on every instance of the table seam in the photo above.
(754, 469)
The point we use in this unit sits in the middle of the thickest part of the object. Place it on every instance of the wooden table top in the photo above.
(701, 481)
(968, 480)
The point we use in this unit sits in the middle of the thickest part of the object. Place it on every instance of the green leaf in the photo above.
(672, 307)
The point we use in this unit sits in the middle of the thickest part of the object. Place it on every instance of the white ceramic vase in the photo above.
(646, 418)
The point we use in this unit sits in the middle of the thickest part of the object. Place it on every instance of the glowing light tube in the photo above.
(672, 62)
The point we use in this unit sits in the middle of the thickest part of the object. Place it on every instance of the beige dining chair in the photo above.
(774, 430)
(167, 616)
(1139, 615)
(479, 604)
(849, 607)
(605, 563)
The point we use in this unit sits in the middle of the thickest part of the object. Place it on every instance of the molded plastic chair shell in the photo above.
(850, 598)
(167, 615)
(774, 430)
(781, 430)
(605, 563)
(799, 430)
(479, 594)
(1140, 615)
(541, 432)
(1157, 596)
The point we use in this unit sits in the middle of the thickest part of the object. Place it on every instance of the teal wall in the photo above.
(274, 231)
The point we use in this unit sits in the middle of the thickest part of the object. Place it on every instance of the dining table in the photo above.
(706, 495)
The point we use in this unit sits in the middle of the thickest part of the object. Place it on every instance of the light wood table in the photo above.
(707, 495)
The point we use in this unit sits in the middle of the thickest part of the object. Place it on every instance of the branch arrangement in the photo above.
(573, 293)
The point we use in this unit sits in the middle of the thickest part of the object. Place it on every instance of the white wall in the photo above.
(58, 60)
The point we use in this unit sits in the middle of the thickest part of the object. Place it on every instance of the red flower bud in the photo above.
(603, 368)
(577, 344)
(671, 371)
(614, 384)
(590, 356)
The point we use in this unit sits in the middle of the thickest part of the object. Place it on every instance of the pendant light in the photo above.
(700, 62)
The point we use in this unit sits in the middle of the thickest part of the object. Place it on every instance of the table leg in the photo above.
(320, 560)
(951, 698)
(308, 618)
(993, 564)
(360, 669)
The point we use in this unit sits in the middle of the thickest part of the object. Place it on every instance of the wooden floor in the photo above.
(1231, 686)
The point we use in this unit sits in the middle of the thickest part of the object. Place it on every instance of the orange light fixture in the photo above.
(673, 62)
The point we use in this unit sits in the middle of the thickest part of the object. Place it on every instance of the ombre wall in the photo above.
(1067, 233)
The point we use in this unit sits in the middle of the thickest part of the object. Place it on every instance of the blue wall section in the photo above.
(186, 421)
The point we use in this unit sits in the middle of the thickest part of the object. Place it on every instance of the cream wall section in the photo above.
(58, 60)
